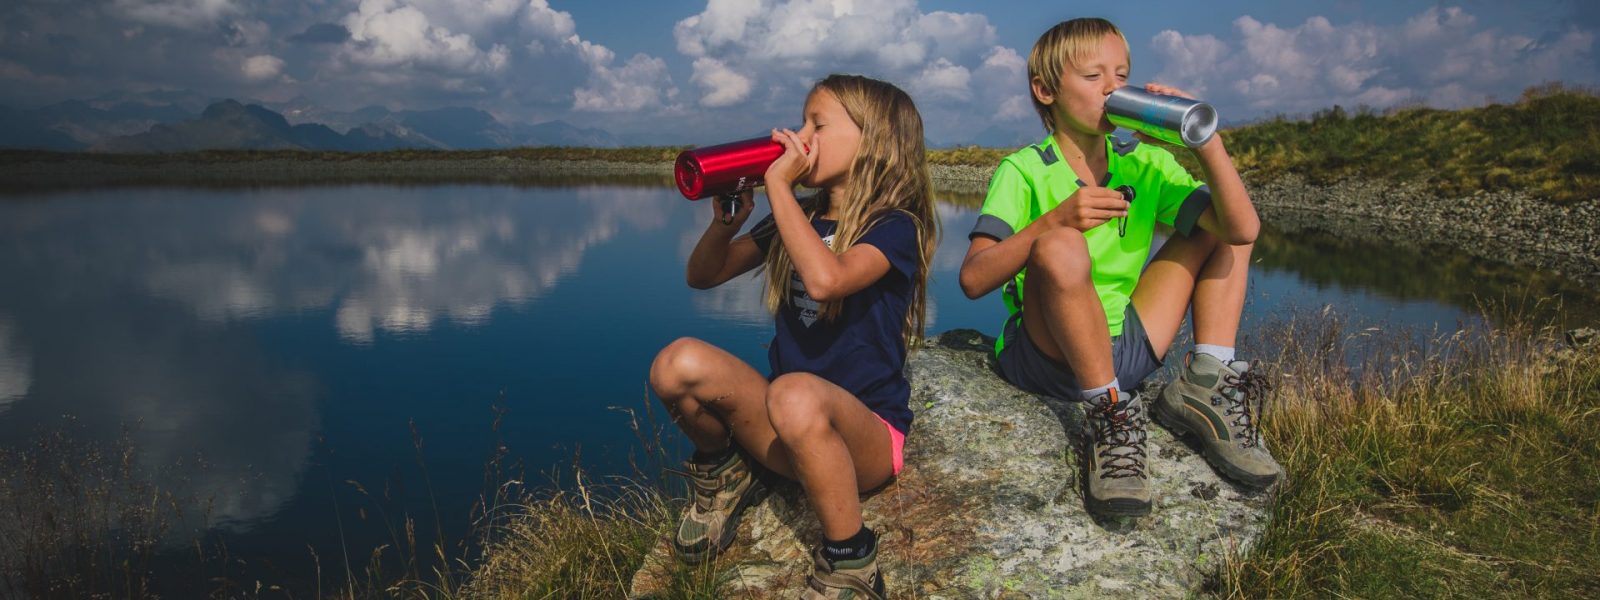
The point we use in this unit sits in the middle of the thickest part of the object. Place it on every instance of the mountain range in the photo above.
(175, 121)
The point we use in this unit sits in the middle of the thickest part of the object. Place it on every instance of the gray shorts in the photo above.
(1024, 366)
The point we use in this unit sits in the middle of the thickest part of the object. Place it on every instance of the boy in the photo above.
(1085, 321)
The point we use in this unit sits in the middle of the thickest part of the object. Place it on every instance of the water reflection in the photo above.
(16, 368)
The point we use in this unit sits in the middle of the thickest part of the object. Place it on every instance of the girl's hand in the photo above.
(740, 214)
(1088, 207)
(797, 160)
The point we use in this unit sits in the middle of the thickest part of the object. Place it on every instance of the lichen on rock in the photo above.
(990, 505)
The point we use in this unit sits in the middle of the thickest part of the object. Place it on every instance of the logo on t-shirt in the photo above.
(799, 297)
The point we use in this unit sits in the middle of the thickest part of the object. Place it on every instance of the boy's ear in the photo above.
(1043, 94)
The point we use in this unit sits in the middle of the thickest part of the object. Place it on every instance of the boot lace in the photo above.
(1246, 394)
(1123, 435)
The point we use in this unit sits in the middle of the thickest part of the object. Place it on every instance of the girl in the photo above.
(846, 281)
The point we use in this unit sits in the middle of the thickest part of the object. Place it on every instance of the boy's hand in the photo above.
(1088, 207)
(797, 160)
(1167, 90)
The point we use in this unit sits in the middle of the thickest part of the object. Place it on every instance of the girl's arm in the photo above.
(719, 256)
(827, 276)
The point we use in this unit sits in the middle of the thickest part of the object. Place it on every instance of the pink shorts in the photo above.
(897, 442)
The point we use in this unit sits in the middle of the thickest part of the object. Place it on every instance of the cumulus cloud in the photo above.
(388, 33)
(1442, 56)
(322, 33)
(185, 14)
(949, 62)
(263, 67)
(726, 86)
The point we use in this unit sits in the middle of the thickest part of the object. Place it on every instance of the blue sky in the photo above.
(696, 71)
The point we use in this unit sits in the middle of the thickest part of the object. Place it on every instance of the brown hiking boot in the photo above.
(844, 580)
(720, 495)
(1118, 486)
(1220, 404)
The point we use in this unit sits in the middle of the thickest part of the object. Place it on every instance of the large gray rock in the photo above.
(990, 505)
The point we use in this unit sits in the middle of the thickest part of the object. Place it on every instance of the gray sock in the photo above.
(1091, 394)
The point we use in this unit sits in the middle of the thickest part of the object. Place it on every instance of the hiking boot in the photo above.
(846, 579)
(1220, 404)
(1119, 486)
(720, 494)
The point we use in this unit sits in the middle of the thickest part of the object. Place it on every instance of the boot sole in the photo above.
(1116, 507)
(730, 529)
(1175, 424)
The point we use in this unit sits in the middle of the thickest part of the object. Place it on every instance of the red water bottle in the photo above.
(725, 170)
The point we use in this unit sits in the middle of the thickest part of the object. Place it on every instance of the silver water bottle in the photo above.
(1167, 118)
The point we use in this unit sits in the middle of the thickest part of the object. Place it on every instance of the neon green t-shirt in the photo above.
(1034, 180)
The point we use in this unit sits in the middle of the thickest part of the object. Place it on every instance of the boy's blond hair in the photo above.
(1066, 43)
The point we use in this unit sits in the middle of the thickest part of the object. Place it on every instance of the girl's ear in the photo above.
(1044, 95)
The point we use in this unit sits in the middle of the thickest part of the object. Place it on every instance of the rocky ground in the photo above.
(990, 505)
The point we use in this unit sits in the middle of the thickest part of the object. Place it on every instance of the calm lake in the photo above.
(265, 350)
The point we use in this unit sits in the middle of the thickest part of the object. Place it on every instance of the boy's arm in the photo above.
(1232, 217)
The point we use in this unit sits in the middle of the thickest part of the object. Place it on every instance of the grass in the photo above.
(1468, 468)
(1546, 143)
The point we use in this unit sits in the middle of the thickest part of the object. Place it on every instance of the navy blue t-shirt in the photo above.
(861, 350)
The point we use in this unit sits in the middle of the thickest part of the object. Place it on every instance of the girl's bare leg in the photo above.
(835, 447)
(709, 393)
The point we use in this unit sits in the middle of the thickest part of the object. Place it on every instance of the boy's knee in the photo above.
(794, 407)
(1061, 254)
(678, 366)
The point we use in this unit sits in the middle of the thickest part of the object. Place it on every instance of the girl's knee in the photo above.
(1060, 255)
(678, 366)
(794, 407)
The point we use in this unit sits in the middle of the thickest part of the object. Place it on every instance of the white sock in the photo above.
(1222, 353)
(1093, 393)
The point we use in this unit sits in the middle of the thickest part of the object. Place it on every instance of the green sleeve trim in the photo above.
(1193, 206)
(991, 226)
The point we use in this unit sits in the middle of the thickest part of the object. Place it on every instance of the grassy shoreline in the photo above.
(1468, 467)
(1546, 144)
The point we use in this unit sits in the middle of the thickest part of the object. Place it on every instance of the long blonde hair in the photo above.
(889, 173)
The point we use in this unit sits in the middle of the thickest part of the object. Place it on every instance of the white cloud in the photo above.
(642, 82)
(387, 33)
(726, 86)
(549, 23)
(263, 67)
(1443, 56)
(184, 14)
(941, 58)
(943, 80)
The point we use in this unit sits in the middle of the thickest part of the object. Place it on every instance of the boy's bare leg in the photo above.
(836, 445)
(1063, 314)
(708, 391)
(1198, 270)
